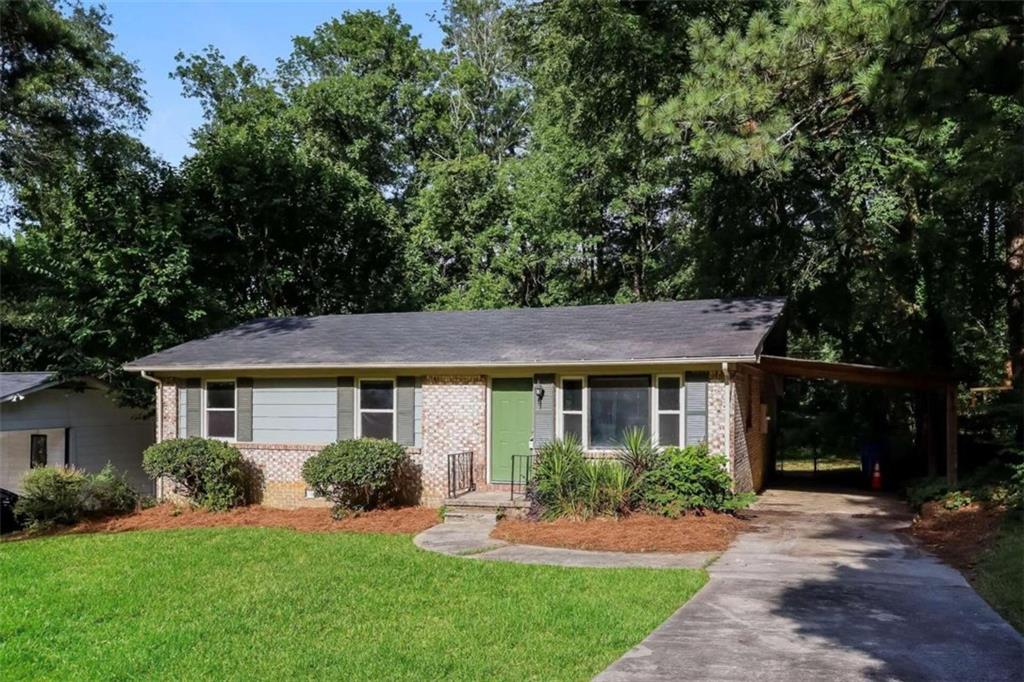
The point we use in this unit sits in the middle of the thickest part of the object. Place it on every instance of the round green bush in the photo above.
(51, 495)
(357, 474)
(691, 479)
(209, 472)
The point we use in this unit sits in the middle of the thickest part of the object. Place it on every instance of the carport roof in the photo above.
(669, 331)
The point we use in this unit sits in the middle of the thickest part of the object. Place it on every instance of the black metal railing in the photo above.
(460, 473)
(523, 466)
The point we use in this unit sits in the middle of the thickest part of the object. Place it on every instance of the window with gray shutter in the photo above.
(696, 407)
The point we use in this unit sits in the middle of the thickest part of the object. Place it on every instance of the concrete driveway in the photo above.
(827, 590)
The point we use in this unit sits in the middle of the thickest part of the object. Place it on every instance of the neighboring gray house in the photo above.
(48, 422)
(494, 383)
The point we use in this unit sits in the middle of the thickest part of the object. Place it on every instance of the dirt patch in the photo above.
(636, 533)
(406, 520)
(959, 537)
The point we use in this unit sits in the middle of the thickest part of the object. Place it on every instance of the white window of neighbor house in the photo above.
(573, 408)
(220, 409)
(377, 408)
(669, 408)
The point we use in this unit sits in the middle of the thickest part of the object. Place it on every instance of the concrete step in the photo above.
(477, 506)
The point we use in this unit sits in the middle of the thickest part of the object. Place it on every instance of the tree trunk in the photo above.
(1015, 289)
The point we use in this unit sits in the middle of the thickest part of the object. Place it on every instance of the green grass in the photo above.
(1001, 572)
(274, 604)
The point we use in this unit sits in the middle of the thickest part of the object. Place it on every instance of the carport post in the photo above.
(951, 430)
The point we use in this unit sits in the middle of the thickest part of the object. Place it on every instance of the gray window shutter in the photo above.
(346, 408)
(194, 408)
(405, 410)
(696, 407)
(543, 410)
(243, 405)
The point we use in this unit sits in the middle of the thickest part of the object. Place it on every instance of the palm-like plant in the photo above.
(636, 451)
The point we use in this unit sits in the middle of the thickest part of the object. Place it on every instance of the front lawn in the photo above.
(1001, 572)
(258, 603)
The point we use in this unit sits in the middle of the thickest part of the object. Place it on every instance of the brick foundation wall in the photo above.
(454, 420)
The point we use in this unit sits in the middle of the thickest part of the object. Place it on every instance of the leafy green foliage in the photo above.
(207, 471)
(861, 158)
(51, 495)
(108, 492)
(691, 479)
(59, 495)
(357, 474)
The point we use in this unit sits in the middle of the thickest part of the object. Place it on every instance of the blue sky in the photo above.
(151, 33)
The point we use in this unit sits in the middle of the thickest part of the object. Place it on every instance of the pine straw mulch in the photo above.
(634, 533)
(402, 521)
(959, 537)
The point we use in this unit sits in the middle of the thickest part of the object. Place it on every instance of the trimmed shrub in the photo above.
(207, 471)
(691, 479)
(358, 474)
(51, 495)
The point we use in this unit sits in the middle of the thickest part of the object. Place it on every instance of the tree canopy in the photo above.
(862, 158)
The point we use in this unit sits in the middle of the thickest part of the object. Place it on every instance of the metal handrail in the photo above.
(460, 473)
(526, 469)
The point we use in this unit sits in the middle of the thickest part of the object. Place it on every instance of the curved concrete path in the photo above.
(471, 538)
(828, 589)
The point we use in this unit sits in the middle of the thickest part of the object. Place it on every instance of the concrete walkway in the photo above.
(470, 538)
(827, 590)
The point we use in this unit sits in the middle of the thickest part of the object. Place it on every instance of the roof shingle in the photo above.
(683, 330)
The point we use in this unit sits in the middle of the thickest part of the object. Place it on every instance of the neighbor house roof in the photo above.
(709, 330)
(22, 383)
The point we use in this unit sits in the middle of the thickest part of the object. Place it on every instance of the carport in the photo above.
(934, 389)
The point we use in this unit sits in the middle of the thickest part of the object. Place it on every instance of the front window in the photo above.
(572, 408)
(220, 409)
(377, 409)
(618, 404)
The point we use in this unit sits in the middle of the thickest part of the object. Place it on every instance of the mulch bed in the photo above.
(635, 533)
(959, 537)
(403, 521)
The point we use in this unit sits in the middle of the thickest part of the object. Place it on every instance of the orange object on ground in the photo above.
(876, 478)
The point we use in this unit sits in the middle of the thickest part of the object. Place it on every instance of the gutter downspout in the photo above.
(159, 422)
(728, 423)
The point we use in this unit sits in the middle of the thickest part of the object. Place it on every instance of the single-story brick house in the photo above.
(496, 383)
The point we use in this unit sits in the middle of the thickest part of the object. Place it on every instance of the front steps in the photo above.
(483, 506)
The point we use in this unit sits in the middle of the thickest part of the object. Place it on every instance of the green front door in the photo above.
(511, 426)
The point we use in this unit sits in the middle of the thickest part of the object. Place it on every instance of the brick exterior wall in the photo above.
(749, 440)
(718, 392)
(454, 420)
(167, 398)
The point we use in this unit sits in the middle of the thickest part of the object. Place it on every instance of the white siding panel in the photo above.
(16, 451)
(294, 411)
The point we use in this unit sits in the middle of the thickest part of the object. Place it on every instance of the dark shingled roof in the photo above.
(684, 330)
(13, 383)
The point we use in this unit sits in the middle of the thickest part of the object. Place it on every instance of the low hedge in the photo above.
(207, 471)
(357, 474)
